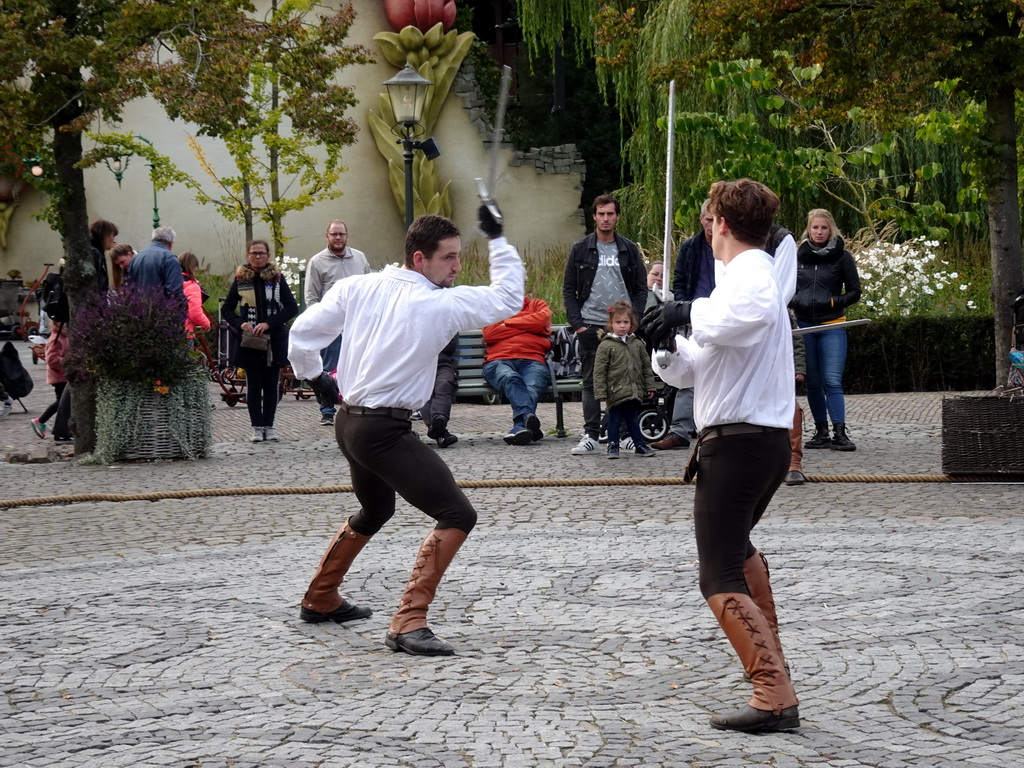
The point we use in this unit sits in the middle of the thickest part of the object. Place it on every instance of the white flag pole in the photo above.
(666, 255)
(666, 258)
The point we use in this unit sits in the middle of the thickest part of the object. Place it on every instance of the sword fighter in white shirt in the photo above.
(395, 323)
(739, 360)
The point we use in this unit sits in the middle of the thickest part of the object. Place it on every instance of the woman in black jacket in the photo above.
(260, 302)
(826, 284)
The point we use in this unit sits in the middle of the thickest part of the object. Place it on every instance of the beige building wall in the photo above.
(541, 209)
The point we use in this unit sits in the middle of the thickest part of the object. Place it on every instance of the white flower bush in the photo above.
(909, 279)
(290, 267)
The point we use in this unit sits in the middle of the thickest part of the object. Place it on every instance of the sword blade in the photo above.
(485, 188)
(830, 326)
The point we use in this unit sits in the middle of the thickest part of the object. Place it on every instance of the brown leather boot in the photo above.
(795, 476)
(322, 601)
(773, 707)
(408, 631)
(756, 574)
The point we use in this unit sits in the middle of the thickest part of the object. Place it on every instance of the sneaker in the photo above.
(533, 424)
(587, 447)
(39, 427)
(644, 450)
(257, 435)
(5, 408)
(270, 434)
(627, 444)
(327, 420)
(518, 435)
(613, 451)
(64, 440)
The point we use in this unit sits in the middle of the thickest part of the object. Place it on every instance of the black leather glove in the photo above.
(326, 388)
(660, 323)
(489, 225)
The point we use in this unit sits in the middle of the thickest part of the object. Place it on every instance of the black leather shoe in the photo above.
(419, 642)
(753, 720)
(795, 477)
(446, 440)
(438, 427)
(344, 612)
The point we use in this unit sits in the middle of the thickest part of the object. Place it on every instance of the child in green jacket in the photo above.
(623, 378)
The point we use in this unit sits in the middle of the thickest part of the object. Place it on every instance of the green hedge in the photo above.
(920, 354)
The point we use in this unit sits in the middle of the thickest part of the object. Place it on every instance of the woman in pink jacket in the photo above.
(196, 317)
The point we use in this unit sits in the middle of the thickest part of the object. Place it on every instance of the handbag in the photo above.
(260, 343)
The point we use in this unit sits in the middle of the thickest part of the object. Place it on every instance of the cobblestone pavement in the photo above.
(166, 634)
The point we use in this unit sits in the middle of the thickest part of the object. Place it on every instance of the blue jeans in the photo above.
(625, 414)
(522, 382)
(329, 356)
(826, 359)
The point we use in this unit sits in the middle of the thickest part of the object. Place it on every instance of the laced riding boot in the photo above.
(758, 579)
(322, 601)
(795, 476)
(408, 631)
(773, 706)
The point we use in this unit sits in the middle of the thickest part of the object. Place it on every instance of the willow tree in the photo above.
(975, 44)
(639, 47)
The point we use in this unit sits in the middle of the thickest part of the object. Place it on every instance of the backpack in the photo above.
(565, 352)
(15, 378)
(55, 301)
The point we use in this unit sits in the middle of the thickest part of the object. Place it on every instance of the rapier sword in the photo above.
(485, 189)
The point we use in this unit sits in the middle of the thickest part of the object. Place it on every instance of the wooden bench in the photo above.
(469, 359)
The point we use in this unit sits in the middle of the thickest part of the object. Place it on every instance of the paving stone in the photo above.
(166, 632)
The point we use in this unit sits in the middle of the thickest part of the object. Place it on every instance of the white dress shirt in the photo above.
(785, 267)
(396, 322)
(739, 359)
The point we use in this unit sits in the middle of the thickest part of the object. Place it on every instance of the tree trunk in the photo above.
(79, 270)
(1003, 221)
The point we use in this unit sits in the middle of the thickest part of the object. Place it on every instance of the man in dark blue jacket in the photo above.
(156, 266)
(693, 277)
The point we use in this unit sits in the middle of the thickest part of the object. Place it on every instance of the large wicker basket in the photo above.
(134, 422)
(983, 435)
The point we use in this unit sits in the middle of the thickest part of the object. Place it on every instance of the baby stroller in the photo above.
(9, 323)
(655, 415)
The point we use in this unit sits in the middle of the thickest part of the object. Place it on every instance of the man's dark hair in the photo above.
(747, 206)
(425, 233)
(605, 200)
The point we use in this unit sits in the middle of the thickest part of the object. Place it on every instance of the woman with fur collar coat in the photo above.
(260, 303)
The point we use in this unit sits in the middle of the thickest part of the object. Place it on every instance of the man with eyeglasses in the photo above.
(335, 262)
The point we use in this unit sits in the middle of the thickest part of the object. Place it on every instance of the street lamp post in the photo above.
(119, 164)
(407, 92)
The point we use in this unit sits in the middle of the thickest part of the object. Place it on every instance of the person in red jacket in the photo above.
(515, 365)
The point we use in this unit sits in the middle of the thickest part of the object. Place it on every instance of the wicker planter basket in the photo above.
(143, 424)
(983, 435)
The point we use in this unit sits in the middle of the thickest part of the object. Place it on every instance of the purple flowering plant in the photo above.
(134, 334)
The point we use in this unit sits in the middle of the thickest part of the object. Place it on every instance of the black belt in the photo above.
(722, 430)
(402, 414)
(742, 428)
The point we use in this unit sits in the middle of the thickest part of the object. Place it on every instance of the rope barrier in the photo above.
(37, 501)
